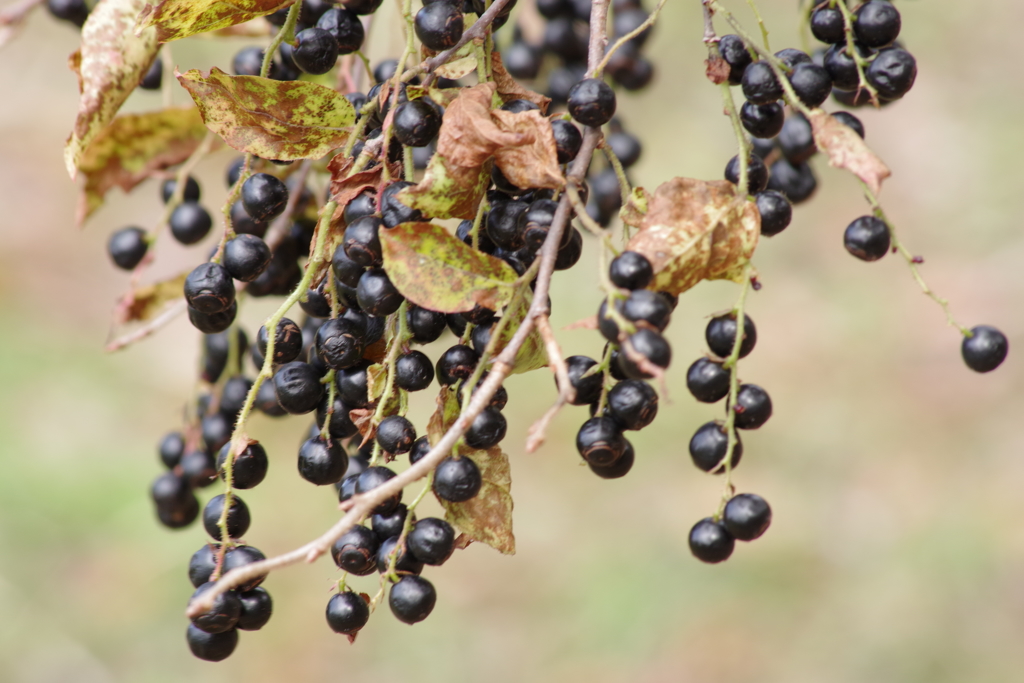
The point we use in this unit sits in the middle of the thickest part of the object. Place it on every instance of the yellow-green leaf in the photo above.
(175, 19)
(532, 354)
(448, 190)
(110, 64)
(436, 270)
(281, 120)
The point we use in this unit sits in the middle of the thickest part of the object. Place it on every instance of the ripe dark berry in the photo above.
(315, 51)
(796, 141)
(776, 212)
(747, 516)
(985, 349)
(720, 335)
(425, 325)
(710, 541)
(487, 429)
(198, 468)
(202, 565)
(249, 467)
(172, 447)
(465, 233)
(645, 306)
(811, 83)
(631, 270)
(364, 204)
(362, 241)
(190, 222)
(413, 371)
(534, 223)
(568, 139)
(395, 434)
(617, 469)
(592, 102)
(233, 395)
(651, 346)
(850, 120)
(588, 389)
(753, 407)
(762, 120)
(339, 343)
(212, 323)
(876, 23)
(256, 609)
(238, 517)
(216, 430)
(431, 540)
(394, 212)
(791, 57)
(736, 55)
(632, 404)
(345, 27)
(707, 380)
(841, 67)
(341, 425)
(498, 401)
(439, 25)
(346, 271)
(264, 197)
(127, 247)
(376, 295)
(322, 462)
(356, 551)
(243, 224)
(827, 25)
(709, 445)
(412, 599)
(867, 238)
(362, 8)
(416, 122)
(404, 561)
(796, 182)
(391, 524)
(457, 479)
(757, 173)
(521, 60)
(266, 400)
(347, 612)
(371, 478)
(246, 256)
(600, 441)
(420, 448)
(208, 288)
(247, 62)
(625, 146)
(211, 647)
(298, 387)
(352, 385)
(240, 556)
(892, 72)
(287, 341)
(173, 496)
(503, 224)
(72, 11)
(456, 363)
(760, 85)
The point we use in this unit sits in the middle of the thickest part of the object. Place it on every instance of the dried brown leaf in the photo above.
(143, 303)
(846, 149)
(510, 89)
(717, 70)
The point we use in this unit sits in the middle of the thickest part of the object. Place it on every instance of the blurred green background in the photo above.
(897, 548)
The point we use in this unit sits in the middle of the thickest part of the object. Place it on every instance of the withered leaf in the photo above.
(436, 270)
(696, 230)
(509, 88)
(376, 379)
(272, 119)
(143, 303)
(175, 19)
(716, 69)
(110, 65)
(846, 149)
(133, 146)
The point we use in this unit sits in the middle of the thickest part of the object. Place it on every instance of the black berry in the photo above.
(617, 469)
(376, 295)
(347, 612)
(413, 371)
(391, 524)
(439, 25)
(371, 478)
(710, 541)
(753, 407)
(709, 445)
(736, 55)
(487, 429)
(264, 197)
(795, 181)
(600, 441)
(425, 325)
(720, 335)
(892, 72)
(209, 289)
(757, 173)
(238, 517)
(404, 561)
(651, 346)
(867, 238)
(762, 120)
(322, 462)
(625, 146)
(394, 212)
(827, 25)
(985, 349)
(760, 85)
(796, 141)
(256, 609)
(416, 122)
(345, 27)
(413, 597)
(431, 540)
(747, 516)
(707, 380)
(776, 212)
(172, 447)
(287, 341)
(298, 387)
(811, 83)
(395, 434)
(457, 479)
(592, 102)
(246, 256)
(632, 404)
(249, 467)
(568, 140)
(876, 23)
(588, 389)
(848, 119)
(419, 449)
(211, 647)
(240, 556)
(356, 551)
(631, 270)
(315, 51)
(339, 343)
(456, 363)
(127, 247)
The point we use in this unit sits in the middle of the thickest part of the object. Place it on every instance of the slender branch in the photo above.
(172, 312)
(648, 22)
(167, 64)
(711, 40)
(286, 30)
(851, 49)
(620, 172)
(566, 392)
(760, 22)
(477, 30)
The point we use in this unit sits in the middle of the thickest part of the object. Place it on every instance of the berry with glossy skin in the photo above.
(592, 102)
(362, 7)
(425, 325)
(172, 447)
(503, 226)
(762, 120)
(867, 238)
(352, 385)
(322, 462)
(287, 341)
(376, 294)
(707, 380)
(632, 404)
(757, 173)
(412, 599)
(848, 119)
(431, 541)
(776, 212)
(465, 233)
(600, 441)
(264, 197)
(588, 389)
(72, 11)
(371, 478)
(404, 561)
(211, 647)
(356, 551)
(791, 57)
(347, 612)
(208, 288)
(416, 122)
(266, 401)
(710, 541)
(247, 62)
(419, 449)
(760, 85)
(650, 345)
(298, 387)
(709, 445)
(339, 343)
(439, 25)
(892, 72)
(747, 516)
(568, 139)
(487, 429)
(457, 479)
(202, 565)
(736, 55)
(346, 29)
(395, 434)
(617, 469)
(456, 363)
(127, 247)
(346, 271)
(249, 467)
(216, 430)
(841, 67)
(246, 257)
(720, 335)
(238, 517)
(257, 607)
(240, 556)
(341, 425)
(190, 222)
(392, 210)
(391, 524)
(198, 468)
(631, 270)
(413, 371)
(174, 500)
(985, 349)
(625, 146)
(643, 306)
(796, 182)
(753, 407)
(521, 60)
(811, 83)
(827, 25)
(796, 141)
(876, 23)
(535, 222)
(315, 51)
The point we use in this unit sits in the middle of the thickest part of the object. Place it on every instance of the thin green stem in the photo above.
(410, 167)
(399, 336)
(389, 575)
(625, 189)
(859, 60)
(410, 47)
(760, 22)
(288, 29)
(648, 22)
(481, 209)
(605, 368)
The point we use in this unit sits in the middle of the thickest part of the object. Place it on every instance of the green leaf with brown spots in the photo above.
(133, 146)
(281, 120)
(176, 19)
(109, 65)
(532, 354)
(448, 190)
(436, 270)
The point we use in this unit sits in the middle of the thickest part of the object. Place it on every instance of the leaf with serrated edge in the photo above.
(486, 518)
(175, 19)
(846, 149)
(696, 230)
(436, 270)
(142, 303)
(532, 354)
(110, 65)
(281, 120)
(127, 151)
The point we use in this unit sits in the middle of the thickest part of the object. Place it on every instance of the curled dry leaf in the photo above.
(175, 19)
(487, 518)
(142, 303)
(362, 418)
(110, 64)
(846, 149)
(509, 88)
(716, 69)
(436, 270)
(282, 120)
(697, 230)
(133, 146)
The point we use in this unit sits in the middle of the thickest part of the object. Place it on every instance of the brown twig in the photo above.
(566, 391)
(477, 30)
(149, 328)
